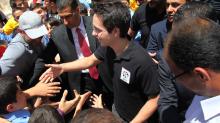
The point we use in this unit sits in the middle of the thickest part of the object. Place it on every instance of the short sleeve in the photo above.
(100, 53)
(148, 78)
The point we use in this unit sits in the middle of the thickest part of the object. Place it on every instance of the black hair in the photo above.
(3, 19)
(114, 14)
(46, 114)
(195, 9)
(8, 90)
(12, 3)
(52, 21)
(96, 115)
(61, 4)
(36, 6)
(195, 42)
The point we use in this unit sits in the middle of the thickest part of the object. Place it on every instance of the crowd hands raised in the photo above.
(44, 89)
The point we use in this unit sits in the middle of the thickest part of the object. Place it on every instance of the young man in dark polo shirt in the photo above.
(132, 71)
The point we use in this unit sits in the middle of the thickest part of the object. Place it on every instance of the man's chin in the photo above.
(170, 18)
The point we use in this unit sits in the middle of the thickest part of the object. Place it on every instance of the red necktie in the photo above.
(86, 52)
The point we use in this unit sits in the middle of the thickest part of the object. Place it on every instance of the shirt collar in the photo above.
(210, 107)
(81, 25)
(14, 115)
(126, 55)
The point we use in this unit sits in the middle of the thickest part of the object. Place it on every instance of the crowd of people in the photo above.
(110, 61)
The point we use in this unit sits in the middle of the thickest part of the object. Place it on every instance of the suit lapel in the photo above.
(64, 40)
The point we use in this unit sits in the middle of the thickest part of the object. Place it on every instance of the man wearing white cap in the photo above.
(20, 55)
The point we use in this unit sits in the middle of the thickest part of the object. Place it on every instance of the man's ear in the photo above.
(78, 10)
(10, 108)
(116, 32)
(202, 73)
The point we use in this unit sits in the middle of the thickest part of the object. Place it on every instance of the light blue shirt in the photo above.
(20, 116)
(203, 110)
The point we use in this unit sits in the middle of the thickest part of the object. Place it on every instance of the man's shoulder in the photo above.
(59, 28)
(140, 54)
(142, 8)
(159, 25)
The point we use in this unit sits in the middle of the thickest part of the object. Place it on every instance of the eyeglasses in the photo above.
(179, 75)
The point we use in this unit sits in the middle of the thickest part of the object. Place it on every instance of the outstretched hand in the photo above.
(43, 88)
(67, 106)
(52, 72)
(82, 101)
(97, 101)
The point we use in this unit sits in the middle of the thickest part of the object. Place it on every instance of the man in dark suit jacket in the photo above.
(65, 42)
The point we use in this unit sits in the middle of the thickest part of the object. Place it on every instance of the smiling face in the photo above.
(100, 32)
(172, 6)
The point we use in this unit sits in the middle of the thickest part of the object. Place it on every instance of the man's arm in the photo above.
(146, 111)
(168, 101)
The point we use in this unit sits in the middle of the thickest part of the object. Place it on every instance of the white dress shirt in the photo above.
(203, 110)
(76, 42)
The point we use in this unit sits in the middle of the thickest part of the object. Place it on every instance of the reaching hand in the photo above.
(43, 88)
(67, 106)
(97, 101)
(2, 120)
(152, 55)
(82, 101)
(54, 71)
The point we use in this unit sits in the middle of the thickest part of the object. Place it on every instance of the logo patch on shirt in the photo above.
(125, 75)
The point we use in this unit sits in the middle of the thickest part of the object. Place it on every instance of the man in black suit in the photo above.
(66, 40)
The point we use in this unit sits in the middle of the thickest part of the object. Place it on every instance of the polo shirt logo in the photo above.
(125, 75)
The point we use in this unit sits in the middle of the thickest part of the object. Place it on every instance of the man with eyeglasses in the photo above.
(199, 56)
(175, 98)
(73, 40)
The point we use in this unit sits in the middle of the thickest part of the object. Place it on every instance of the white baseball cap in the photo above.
(32, 24)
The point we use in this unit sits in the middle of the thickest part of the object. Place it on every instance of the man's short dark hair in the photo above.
(61, 4)
(114, 14)
(96, 115)
(8, 90)
(195, 9)
(36, 6)
(195, 42)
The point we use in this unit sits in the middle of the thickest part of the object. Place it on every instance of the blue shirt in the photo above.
(5, 37)
(20, 116)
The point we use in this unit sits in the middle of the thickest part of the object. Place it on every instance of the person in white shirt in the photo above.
(192, 52)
